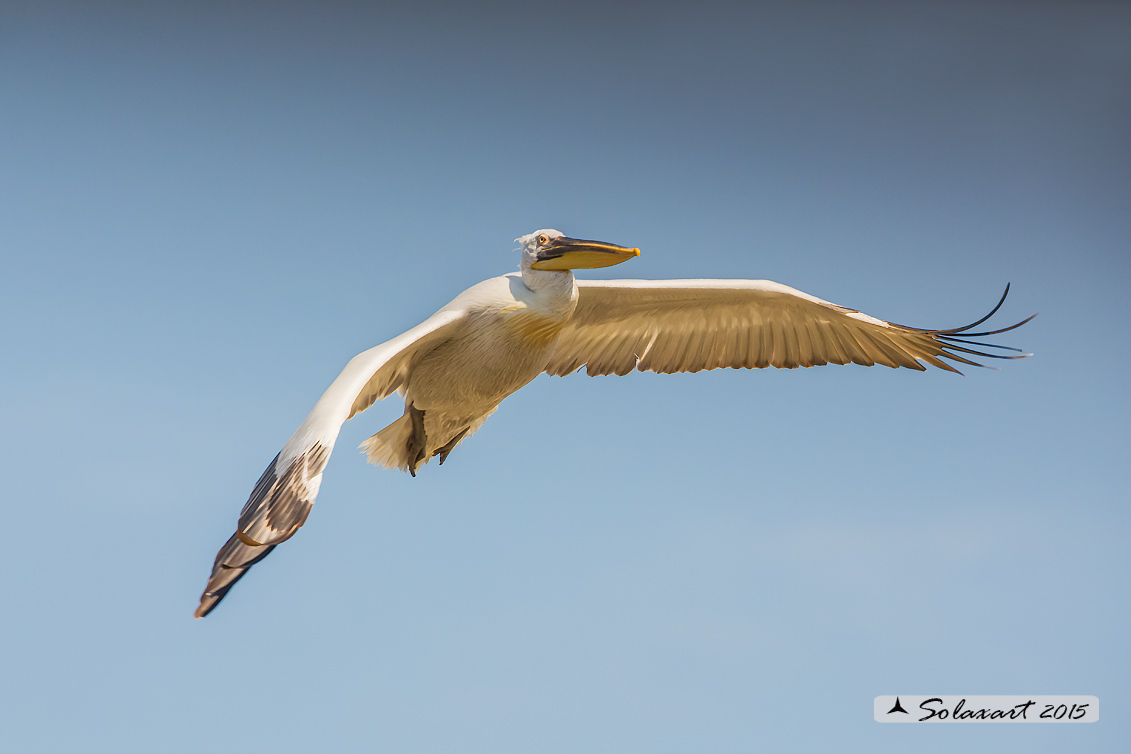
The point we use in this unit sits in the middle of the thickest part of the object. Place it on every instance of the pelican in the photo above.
(458, 365)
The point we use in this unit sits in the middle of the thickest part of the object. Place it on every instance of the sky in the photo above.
(206, 209)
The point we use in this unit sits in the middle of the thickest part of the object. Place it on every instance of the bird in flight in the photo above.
(458, 365)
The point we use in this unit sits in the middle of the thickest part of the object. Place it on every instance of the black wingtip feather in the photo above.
(958, 339)
(993, 311)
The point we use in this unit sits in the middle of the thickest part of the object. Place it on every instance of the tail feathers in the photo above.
(234, 560)
(389, 447)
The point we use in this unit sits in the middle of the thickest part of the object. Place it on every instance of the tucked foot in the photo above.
(418, 441)
(443, 452)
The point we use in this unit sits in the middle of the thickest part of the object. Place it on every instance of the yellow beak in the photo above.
(574, 254)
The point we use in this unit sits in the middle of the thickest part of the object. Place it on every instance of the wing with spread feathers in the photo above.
(284, 495)
(690, 325)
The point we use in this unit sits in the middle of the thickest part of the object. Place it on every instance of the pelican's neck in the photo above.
(555, 291)
(548, 280)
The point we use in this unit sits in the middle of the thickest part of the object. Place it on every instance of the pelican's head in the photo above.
(550, 250)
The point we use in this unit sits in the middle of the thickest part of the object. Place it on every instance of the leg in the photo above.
(418, 441)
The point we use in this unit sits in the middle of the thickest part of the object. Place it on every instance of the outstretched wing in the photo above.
(284, 495)
(690, 325)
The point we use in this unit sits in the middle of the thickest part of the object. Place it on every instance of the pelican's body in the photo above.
(458, 365)
(502, 340)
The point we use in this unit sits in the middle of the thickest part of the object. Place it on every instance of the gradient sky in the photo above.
(206, 211)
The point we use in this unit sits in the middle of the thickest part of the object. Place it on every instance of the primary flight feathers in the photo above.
(456, 367)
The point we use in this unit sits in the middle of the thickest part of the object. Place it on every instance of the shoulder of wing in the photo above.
(382, 370)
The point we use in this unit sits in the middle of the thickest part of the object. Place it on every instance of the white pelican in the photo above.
(458, 365)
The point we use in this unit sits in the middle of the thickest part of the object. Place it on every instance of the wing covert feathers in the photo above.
(690, 325)
(390, 363)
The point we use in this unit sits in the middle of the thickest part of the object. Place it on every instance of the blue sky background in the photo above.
(206, 211)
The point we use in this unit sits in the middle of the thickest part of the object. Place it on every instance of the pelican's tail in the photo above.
(277, 507)
(389, 447)
(392, 447)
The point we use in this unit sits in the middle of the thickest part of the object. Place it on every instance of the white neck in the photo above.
(555, 291)
(537, 280)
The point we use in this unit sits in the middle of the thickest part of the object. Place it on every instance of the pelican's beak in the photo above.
(573, 254)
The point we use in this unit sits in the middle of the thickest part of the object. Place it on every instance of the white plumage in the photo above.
(458, 365)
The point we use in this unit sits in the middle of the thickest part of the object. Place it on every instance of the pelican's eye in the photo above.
(543, 239)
